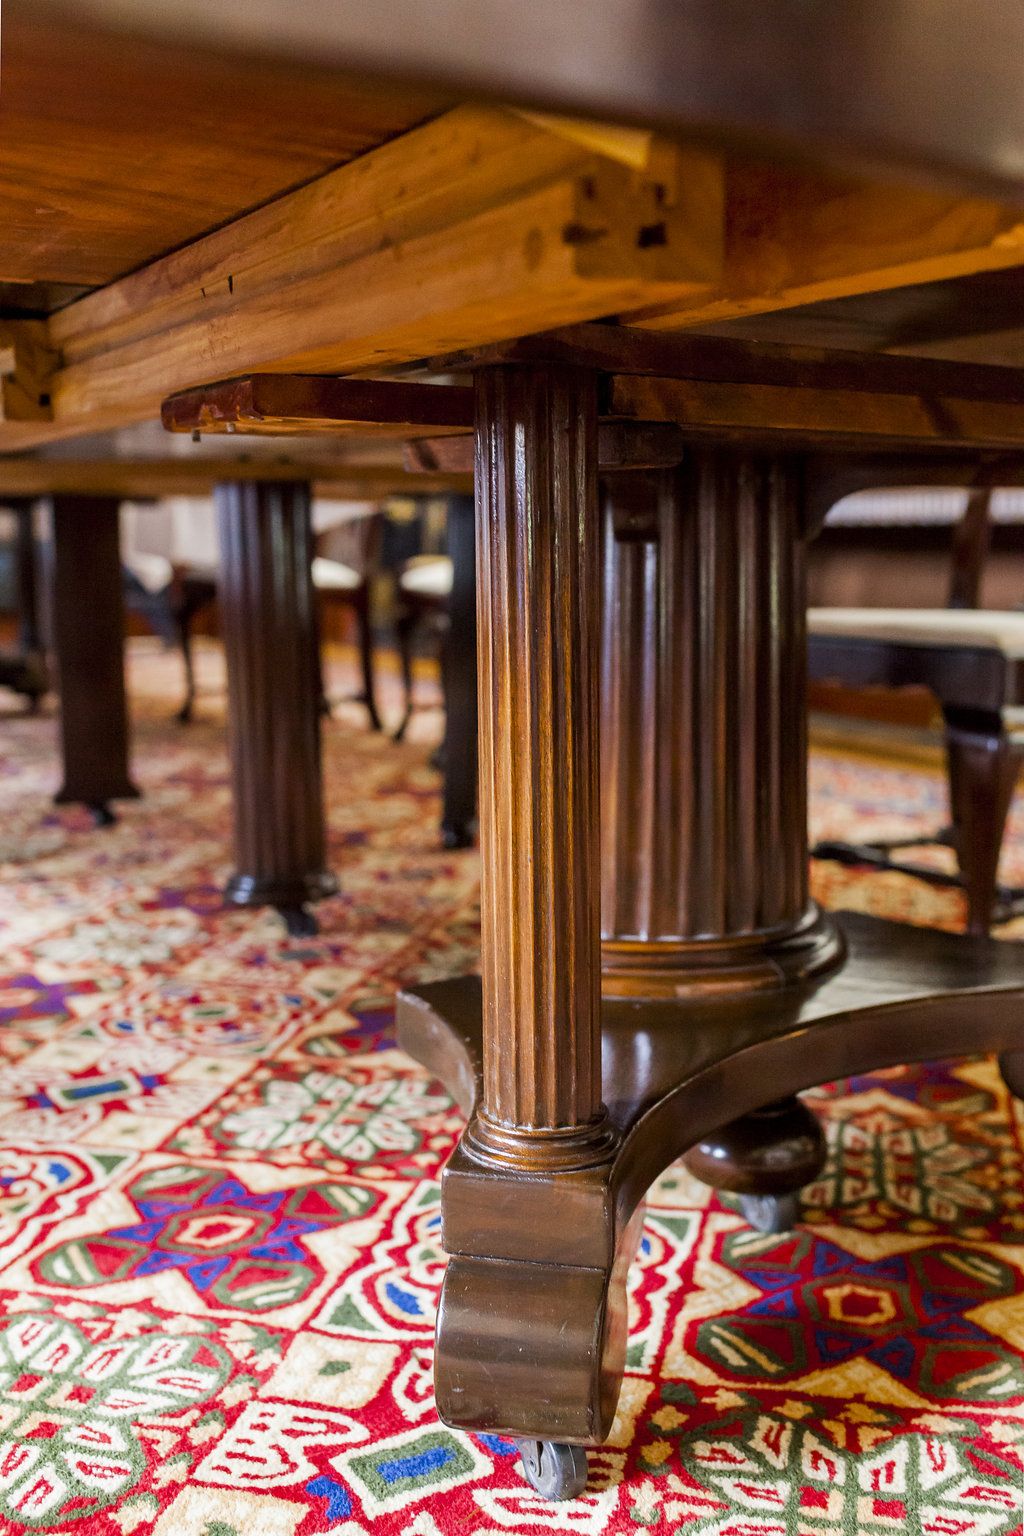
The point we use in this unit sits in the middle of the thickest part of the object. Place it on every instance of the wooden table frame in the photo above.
(656, 980)
(644, 991)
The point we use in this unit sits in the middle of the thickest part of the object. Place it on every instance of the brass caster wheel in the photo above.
(299, 922)
(771, 1213)
(556, 1471)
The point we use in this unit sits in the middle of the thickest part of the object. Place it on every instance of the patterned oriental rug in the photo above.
(219, 1203)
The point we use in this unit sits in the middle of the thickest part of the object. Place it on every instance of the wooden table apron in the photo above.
(653, 967)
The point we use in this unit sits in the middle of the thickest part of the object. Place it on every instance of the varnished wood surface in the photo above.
(720, 359)
(703, 726)
(476, 226)
(473, 228)
(825, 416)
(21, 475)
(537, 602)
(114, 150)
(620, 445)
(789, 78)
(278, 404)
(674, 1072)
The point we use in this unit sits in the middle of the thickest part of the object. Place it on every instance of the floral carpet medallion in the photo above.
(219, 1205)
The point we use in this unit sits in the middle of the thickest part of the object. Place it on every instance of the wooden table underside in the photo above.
(675, 882)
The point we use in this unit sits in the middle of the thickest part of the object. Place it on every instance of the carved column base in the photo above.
(738, 963)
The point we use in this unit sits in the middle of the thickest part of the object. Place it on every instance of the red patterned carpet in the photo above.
(218, 1205)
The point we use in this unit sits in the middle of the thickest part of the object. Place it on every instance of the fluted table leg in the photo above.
(88, 637)
(268, 613)
(520, 1290)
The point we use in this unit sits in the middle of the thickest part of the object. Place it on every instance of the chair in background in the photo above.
(343, 568)
(347, 558)
(972, 661)
(423, 589)
(440, 591)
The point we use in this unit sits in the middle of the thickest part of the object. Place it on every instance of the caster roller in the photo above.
(556, 1471)
(299, 922)
(771, 1213)
(102, 815)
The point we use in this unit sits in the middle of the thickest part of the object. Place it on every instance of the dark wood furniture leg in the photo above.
(88, 637)
(364, 625)
(269, 619)
(984, 763)
(405, 627)
(30, 675)
(540, 1124)
(193, 594)
(725, 990)
(458, 662)
(704, 749)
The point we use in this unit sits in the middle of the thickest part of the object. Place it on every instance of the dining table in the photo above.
(666, 278)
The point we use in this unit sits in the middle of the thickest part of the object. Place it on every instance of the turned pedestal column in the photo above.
(704, 740)
(268, 614)
(87, 604)
(704, 776)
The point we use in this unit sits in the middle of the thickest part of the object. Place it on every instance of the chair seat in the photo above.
(949, 627)
(153, 572)
(333, 576)
(427, 576)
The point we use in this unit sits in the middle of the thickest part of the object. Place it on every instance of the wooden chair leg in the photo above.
(405, 627)
(183, 620)
(365, 627)
(983, 763)
(88, 635)
(459, 675)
